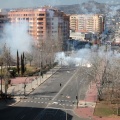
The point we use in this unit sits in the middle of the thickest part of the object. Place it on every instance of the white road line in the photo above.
(64, 86)
(59, 108)
(38, 102)
(31, 101)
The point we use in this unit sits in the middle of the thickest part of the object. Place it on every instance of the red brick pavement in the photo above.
(19, 80)
(87, 112)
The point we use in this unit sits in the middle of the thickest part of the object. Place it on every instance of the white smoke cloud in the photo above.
(16, 37)
(78, 58)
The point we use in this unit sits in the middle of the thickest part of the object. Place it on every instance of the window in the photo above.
(40, 27)
(41, 14)
(39, 18)
(40, 23)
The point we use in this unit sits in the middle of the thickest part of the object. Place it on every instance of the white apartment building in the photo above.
(87, 23)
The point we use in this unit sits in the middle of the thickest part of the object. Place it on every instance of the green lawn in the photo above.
(104, 110)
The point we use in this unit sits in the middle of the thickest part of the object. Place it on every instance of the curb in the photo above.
(43, 82)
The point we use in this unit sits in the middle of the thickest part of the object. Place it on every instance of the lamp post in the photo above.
(40, 73)
(25, 86)
(52, 60)
(1, 78)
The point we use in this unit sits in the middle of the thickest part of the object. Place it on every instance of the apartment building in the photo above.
(3, 20)
(44, 23)
(87, 23)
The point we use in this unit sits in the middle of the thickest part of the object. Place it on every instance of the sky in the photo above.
(37, 3)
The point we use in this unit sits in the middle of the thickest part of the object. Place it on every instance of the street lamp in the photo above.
(62, 107)
(40, 73)
(1, 78)
(52, 60)
(25, 85)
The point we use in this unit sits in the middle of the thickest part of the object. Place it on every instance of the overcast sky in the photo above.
(31, 3)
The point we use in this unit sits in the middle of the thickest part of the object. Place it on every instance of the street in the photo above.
(55, 99)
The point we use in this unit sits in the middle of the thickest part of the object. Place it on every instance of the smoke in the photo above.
(16, 37)
(77, 58)
(113, 10)
(85, 57)
(91, 8)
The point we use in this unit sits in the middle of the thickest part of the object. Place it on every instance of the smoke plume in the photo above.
(16, 37)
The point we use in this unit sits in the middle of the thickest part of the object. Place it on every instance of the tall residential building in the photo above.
(87, 23)
(3, 20)
(44, 23)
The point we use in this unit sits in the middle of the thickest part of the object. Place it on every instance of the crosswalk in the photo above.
(48, 101)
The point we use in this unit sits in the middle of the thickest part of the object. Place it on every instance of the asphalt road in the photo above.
(51, 101)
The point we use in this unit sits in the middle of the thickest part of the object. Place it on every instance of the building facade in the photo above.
(3, 20)
(44, 23)
(87, 23)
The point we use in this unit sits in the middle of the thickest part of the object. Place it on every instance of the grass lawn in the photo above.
(104, 110)
(30, 68)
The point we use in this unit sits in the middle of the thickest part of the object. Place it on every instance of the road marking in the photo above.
(63, 87)
(59, 108)
(38, 102)
(31, 101)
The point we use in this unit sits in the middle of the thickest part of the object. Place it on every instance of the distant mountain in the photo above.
(84, 8)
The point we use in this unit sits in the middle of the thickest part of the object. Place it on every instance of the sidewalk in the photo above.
(86, 107)
(18, 84)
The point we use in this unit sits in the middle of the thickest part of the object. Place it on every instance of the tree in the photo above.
(29, 57)
(18, 68)
(22, 64)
